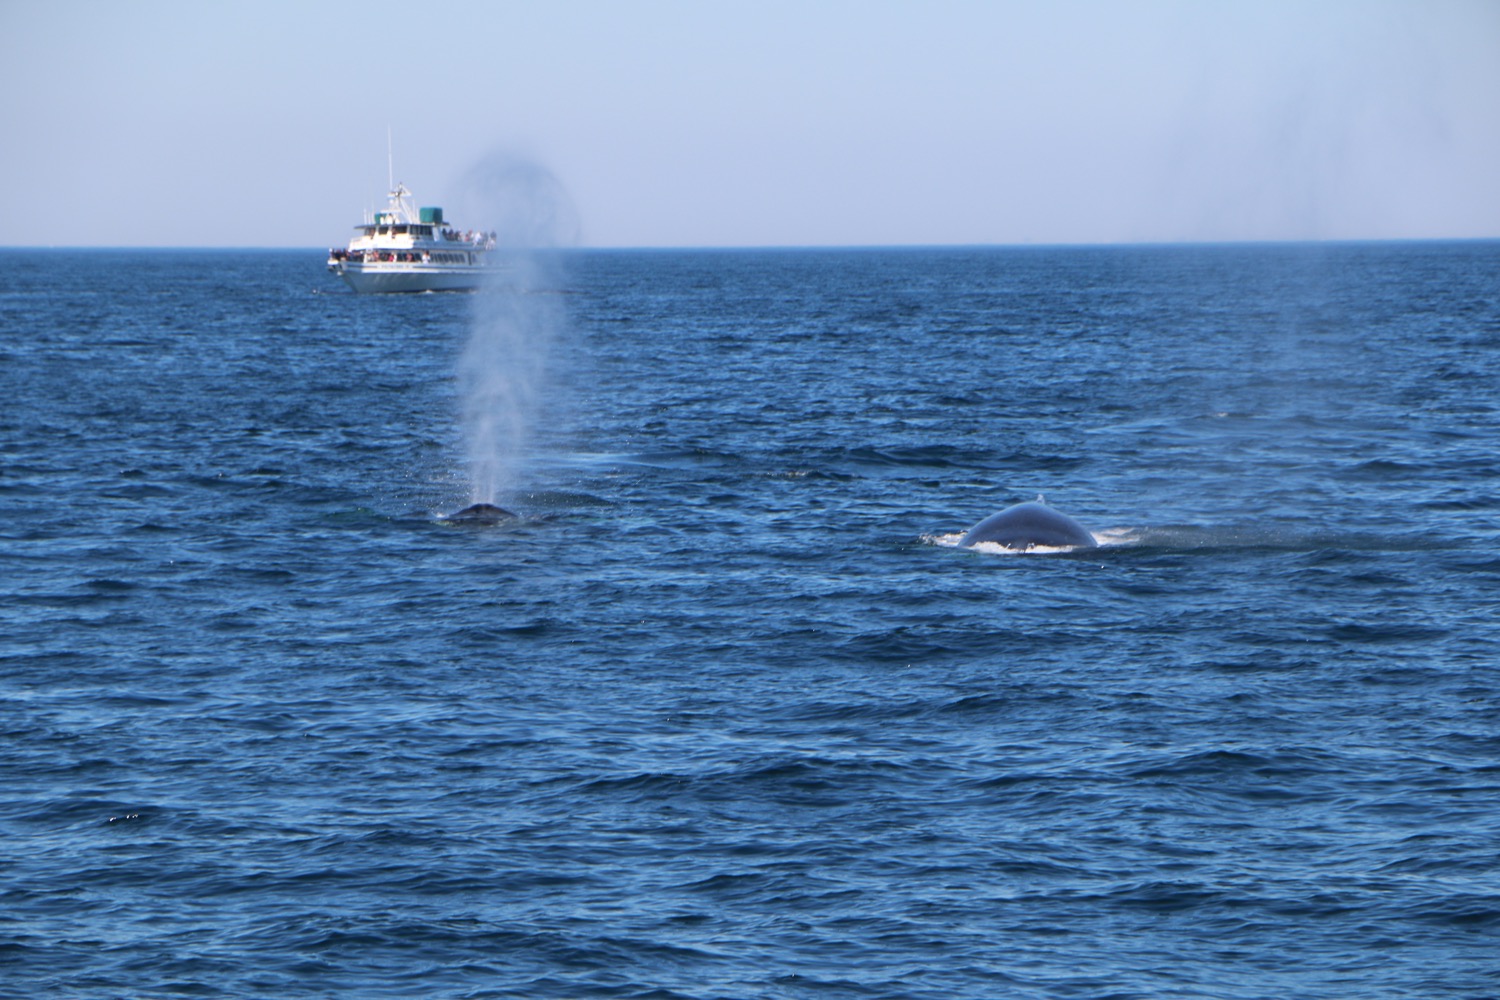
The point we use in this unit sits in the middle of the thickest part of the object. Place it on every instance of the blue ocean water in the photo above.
(725, 713)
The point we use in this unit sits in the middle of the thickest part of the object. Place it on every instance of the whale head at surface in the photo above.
(1029, 524)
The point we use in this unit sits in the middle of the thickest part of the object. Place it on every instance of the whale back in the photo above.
(481, 513)
(1028, 524)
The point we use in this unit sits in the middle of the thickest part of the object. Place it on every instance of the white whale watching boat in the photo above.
(406, 249)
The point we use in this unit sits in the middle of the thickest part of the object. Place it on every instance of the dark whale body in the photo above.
(481, 513)
(1028, 524)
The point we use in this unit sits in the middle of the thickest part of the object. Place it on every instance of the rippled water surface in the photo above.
(725, 712)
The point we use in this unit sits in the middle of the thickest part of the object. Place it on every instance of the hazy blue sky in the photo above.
(757, 123)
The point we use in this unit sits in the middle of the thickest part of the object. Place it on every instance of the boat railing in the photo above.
(471, 238)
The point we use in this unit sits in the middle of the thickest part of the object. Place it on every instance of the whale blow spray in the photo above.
(514, 320)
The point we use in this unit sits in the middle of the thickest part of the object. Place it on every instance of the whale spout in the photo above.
(481, 513)
(1028, 524)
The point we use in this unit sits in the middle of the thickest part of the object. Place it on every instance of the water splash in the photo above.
(503, 373)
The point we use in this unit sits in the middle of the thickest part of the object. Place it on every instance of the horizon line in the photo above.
(731, 247)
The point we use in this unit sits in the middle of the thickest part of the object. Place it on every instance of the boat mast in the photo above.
(400, 206)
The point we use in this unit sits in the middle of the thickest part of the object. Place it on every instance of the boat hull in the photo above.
(380, 277)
